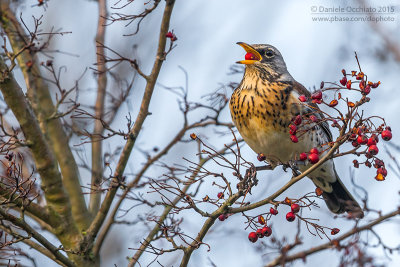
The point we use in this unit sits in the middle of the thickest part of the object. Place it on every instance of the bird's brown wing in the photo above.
(315, 109)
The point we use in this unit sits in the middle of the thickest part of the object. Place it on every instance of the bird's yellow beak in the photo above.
(249, 49)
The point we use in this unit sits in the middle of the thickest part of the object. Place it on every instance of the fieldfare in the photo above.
(262, 108)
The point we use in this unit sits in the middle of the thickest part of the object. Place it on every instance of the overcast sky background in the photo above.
(207, 33)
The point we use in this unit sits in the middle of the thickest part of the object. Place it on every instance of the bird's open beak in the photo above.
(249, 49)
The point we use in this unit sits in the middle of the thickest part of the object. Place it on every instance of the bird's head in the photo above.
(264, 58)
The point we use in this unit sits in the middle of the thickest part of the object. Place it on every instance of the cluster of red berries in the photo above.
(365, 87)
(360, 137)
(296, 121)
(265, 230)
(171, 35)
(261, 232)
(291, 215)
(313, 156)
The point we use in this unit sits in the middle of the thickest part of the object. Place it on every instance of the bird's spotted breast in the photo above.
(262, 113)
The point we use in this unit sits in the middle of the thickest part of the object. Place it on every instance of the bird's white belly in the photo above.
(275, 145)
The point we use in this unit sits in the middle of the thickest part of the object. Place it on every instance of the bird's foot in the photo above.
(293, 165)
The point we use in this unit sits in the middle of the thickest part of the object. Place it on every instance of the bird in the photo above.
(262, 108)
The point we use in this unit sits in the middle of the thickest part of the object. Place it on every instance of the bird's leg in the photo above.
(293, 165)
(271, 164)
(265, 167)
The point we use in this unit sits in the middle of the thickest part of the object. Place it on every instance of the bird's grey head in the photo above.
(266, 59)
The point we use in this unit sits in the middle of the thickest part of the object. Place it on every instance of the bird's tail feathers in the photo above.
(340, 200)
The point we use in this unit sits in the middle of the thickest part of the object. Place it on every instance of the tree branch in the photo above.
(27, 205)
(41, 239)
(33, 245)
(97, 153)
(281, 260)
(143, 113)
(56, 197)
(42, 103)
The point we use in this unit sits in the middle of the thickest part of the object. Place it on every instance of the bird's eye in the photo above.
(269, 53)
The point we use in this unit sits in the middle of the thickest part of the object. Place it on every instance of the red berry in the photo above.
(356, 164)
(313, 158)
(253, 237)
(355, 143)
(293, 128)
(222, 217)
(169, 35)
(297, 120)
(380, 177)
(314, 150)
(333, 103)
(348, 84)
(266, 231)
(290, 216)
(362, 85)
(303, 156)
(374, 85)
(335, 231)
(386, 135)
(294, 139)
(249, 56)
(366, 90)
(379, 163)
(318, 191)
(259, 233)
(313, 118)
(261, 157)
(317, 95)
(344, 72)
(371, 141)
(273, 211)
(373, 150)
(343, 81)
(382, 170)
(302, 98)
(295, 207)
(362, 140)
(220, 195)
(261, 219)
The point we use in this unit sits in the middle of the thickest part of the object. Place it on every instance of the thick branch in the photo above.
(41, 239)
(97, 162)
(143, 113)
(56, 197)
(34, 245)
(42, 103)
(27, 205)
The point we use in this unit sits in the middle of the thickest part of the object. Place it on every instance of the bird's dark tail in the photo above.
(340, 200)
